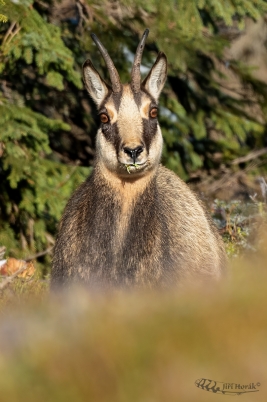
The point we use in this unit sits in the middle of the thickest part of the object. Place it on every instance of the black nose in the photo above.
(133, 153)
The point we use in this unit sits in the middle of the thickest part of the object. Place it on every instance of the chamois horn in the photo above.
(113, 73)
(135, 73)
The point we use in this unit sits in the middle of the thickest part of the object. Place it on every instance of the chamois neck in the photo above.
(132, 185)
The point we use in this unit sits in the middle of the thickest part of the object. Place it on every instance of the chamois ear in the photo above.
(156, 78)
(95, 85)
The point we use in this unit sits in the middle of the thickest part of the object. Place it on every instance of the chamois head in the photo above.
(129, 139)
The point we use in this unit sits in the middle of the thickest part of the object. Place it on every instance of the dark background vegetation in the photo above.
(212, 110)
(133, 346)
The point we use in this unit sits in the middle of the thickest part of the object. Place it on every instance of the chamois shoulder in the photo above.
(172, 186)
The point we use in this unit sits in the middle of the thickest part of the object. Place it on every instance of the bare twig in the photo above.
(9, 279)
(7, 92)
(238, 92)
(42, 3)
(87, 8)
(10, 29)
(81, 13)
(10, 33)
(263, 186)
(33, 257)
(14, 34)
(250, 156)
(2, 252)
(73, 170)
(254, 197)
(62, 157)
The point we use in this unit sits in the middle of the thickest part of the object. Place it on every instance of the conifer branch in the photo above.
(40, 254)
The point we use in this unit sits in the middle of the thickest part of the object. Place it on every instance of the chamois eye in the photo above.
(104, 118)
(153, 112)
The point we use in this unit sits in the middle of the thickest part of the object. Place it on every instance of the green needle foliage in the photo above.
(3, 18)
(48, 123)
(34, 186)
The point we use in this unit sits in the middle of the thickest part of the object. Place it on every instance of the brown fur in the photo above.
(137, 227)
(121, 233)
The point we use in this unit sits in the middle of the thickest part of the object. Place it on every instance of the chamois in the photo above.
(133, 222)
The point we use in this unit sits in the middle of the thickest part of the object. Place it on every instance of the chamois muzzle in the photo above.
(133, 153)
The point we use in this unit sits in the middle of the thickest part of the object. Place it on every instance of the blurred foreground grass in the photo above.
(136, 346)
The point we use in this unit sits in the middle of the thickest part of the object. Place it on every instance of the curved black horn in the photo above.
(113, 73)
(135, 74)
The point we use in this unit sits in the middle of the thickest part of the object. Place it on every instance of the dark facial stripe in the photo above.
(116, 97)
(149, 131)
(137, 98)
(149, 125)
(111, 133)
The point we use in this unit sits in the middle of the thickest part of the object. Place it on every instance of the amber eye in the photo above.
(104, 118)
(153, 112)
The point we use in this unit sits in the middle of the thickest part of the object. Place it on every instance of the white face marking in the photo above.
(129, 120)
(155, 149)
(112, 112)
(106, 151)
(145, 107)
